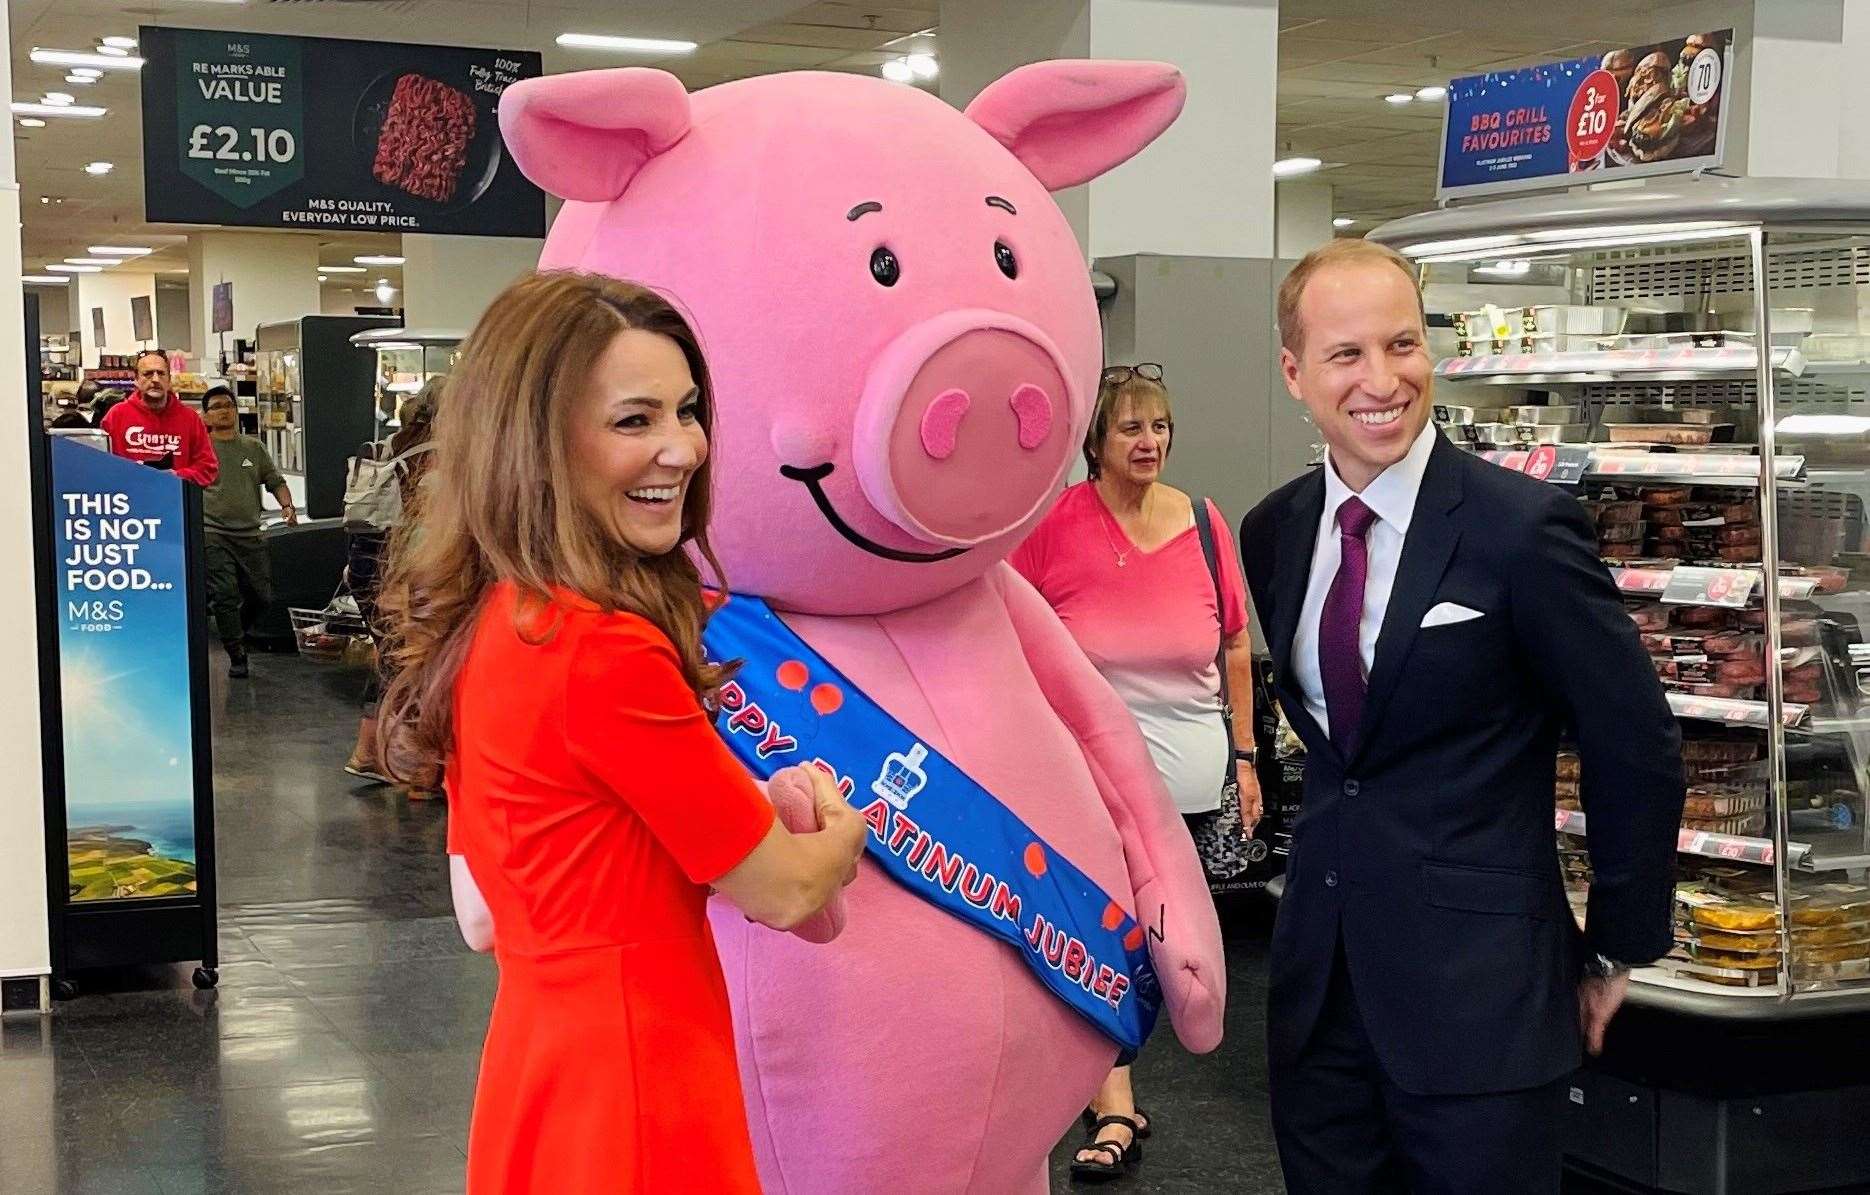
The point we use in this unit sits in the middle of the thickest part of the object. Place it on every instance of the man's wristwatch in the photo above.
(1599, 966)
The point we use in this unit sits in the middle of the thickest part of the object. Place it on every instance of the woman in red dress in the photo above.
(546, 647)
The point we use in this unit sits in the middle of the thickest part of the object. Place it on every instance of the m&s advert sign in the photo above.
(1653, 109)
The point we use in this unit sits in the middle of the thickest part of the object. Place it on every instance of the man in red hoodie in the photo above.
(155, 428)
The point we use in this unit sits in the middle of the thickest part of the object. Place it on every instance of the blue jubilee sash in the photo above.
(933, 828)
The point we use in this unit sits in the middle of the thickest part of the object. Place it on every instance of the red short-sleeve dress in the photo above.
(594, 804)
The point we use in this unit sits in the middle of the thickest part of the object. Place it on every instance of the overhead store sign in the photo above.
(316, 133)
(1655, 109)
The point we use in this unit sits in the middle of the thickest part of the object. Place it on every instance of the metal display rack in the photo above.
(1771, 974)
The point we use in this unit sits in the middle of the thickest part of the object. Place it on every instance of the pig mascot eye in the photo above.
(884, 267)
(1003, 255)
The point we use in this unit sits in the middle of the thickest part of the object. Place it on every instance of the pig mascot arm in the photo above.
(1172, 899)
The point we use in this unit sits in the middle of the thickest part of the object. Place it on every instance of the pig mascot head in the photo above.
(904, 343)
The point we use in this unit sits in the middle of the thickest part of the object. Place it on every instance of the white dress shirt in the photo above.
(1392, 497)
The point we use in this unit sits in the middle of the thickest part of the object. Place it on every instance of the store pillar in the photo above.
(1802, 97)
(1302, 211)
(25, 950)
(448, 281)
(274, 275)
(1186, 227)
(111, 293)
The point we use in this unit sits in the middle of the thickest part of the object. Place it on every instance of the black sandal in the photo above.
(1120, 1157)
(1089, 1119)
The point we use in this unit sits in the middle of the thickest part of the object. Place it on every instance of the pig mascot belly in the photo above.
(904, 351)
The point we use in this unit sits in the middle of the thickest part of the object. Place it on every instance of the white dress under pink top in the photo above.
(1151, 625)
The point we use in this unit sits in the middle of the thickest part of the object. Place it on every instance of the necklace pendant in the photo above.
(1121, 562)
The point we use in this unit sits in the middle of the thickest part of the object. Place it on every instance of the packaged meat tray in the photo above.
(1855, 936)
(1723, 689)
(1569, 765)
(1565, 790)
(1664, 495)
(1701, 616)
(1658, 433)
(1611, 512)
(1660, 517)
(1619, 551)
(1619, 533)
(1746, 825)
(1668, 551)
(1707, 801)
(1649, 616)
(1717, 752)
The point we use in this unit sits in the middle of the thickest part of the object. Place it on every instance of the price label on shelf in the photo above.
(1642, 582)
(1728, 588)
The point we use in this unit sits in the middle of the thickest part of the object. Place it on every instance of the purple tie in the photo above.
(1340, 659)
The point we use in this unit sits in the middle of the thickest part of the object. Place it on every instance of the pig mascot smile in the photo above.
(905, 352)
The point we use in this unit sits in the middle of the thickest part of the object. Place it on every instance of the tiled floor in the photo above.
(339, 1053)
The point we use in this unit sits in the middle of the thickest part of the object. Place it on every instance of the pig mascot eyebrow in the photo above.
(905, 351)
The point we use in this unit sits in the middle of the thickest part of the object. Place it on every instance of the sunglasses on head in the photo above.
(1117, 375)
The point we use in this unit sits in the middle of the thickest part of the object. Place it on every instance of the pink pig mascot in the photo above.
(905, 350)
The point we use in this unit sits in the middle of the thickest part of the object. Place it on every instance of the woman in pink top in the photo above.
(1120, 560)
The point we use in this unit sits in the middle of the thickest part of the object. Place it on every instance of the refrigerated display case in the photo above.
(314, 397)
(1693, 359)
(406, 359)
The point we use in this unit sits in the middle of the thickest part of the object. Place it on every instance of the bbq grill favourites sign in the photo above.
(315, 133)
(1655, 109)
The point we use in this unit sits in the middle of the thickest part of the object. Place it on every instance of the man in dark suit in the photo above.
(1434, 621)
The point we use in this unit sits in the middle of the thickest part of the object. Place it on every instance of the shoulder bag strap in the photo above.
(1204, 530)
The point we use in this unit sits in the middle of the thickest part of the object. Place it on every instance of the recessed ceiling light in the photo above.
(46, 280)
(119, 43)
(99, 167)
(1342, 222)
(61, 268)
(118, 250)
(634, 45)
(1289, 167)
(62, 110)
(31, 122)
(341, 269)
(1399, 98)
(104, 59)
(80, 80)
(378, 259)
(94, 261)
(322, 278)
(60, 98)
(89, 72)
(897, 71)
(1431, 93)
(924, 66)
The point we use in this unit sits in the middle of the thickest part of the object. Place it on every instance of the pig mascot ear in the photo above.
(584, 136)
(1071, 120)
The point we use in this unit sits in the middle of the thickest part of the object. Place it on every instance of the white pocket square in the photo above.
(1449, 613)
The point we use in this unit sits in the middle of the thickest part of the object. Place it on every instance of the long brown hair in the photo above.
(498, 506)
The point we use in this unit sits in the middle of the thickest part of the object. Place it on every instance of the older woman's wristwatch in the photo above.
(1250, 755)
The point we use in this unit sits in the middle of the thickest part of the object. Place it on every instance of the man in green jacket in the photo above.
(240, 577)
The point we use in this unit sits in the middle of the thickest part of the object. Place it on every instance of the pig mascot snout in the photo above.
(905, 352)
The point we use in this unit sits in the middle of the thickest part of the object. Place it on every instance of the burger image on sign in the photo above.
(1668, 109)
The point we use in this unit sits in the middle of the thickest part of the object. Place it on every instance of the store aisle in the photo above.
(339, 1053)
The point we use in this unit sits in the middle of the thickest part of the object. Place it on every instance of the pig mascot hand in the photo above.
(904, 352)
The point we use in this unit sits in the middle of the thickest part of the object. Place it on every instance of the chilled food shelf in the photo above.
(1694, 585)
(1733, 711)
(1568, 464)
(1674, 364)
(1734, 848)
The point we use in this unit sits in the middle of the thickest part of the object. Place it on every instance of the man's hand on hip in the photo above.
(1598, 1001)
